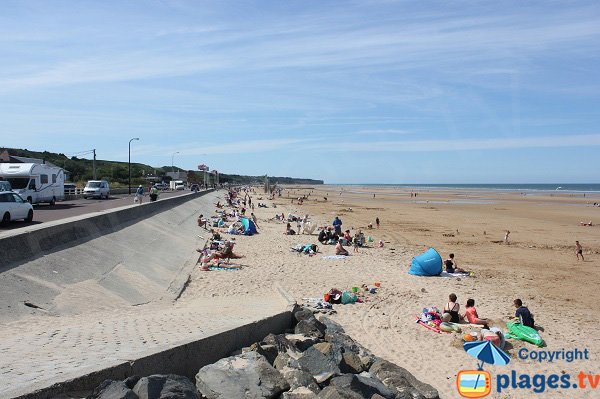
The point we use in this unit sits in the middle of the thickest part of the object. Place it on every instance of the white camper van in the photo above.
(35, 182)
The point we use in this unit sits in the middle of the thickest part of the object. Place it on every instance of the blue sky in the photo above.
(370, 91)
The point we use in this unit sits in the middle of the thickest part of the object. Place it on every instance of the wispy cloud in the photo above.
(462, 144)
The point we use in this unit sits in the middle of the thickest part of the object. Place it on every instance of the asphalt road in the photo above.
(46, 213)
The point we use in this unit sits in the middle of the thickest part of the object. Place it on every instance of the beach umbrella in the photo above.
(486, 352)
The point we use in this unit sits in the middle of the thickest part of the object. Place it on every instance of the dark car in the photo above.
(195, 187)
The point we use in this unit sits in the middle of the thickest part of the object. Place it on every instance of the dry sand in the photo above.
(539, 266)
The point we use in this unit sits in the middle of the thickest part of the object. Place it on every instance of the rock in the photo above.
(362, 385)
(339, 340)
(279, 341)
(323, 347)
(311, 327)
(299, 393)
(301, 342)
(331, 392)
(367, 361)
(248, 375)
(316, 363)
(284, 360)
(110, 389)
(331, 326)
(131, 381)
(303, 314)
(298, 378)
(168, 386)
(394, 376)
(351, 363)
(268, 351)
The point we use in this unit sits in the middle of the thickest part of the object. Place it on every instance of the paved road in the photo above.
(64, 209)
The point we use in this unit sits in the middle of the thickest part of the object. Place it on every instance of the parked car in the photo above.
(96, 189)
(14, 207)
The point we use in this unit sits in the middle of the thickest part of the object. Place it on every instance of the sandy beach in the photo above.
(538, 265)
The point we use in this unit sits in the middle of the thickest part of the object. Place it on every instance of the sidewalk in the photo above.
(37, 352)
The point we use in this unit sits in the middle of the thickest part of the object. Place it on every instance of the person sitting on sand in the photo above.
(215, 235)
(289, 231)
(471, 314)
(523, 315)
(450, 313)
(324, 236)
(451, 266)
(202, 221)
(347, 237)
(339, 249)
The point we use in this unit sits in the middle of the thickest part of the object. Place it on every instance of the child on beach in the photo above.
(356, 242)
(471, 314)
(578, 250)
(523, 314)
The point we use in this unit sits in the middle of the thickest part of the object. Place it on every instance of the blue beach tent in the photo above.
(429, 263)
(249, 226)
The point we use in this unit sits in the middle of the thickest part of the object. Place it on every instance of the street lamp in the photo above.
(135, 138)
(173, 156)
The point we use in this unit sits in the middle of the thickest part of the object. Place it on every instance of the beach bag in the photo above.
(136, 199)
(348, 298)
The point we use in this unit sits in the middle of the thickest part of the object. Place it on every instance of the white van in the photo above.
(96, 189)
(35, 182)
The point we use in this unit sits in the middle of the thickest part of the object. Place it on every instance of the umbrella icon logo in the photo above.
(478, 383)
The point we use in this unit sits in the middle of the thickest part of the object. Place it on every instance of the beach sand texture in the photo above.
(538, 265)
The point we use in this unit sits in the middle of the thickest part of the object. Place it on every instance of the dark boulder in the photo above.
(167, 386)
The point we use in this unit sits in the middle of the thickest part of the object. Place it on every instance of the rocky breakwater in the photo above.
(317, 360)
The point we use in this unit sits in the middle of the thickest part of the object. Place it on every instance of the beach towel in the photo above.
(446, 274)
(334, 257)
(223, 268)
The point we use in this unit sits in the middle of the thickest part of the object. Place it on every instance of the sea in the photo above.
(521, 187)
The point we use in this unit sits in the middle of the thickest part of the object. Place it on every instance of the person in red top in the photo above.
(471, 314)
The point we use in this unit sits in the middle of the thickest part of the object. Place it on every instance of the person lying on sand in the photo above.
(471, 314)
(586, 224)
(339, 249)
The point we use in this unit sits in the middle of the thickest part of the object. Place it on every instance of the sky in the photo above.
(350, 92)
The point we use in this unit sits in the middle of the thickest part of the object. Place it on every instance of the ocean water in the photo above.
(555, 187)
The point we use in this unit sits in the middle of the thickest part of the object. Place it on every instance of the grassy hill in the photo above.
(117, 173)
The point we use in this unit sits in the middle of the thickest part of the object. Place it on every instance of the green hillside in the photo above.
(117, 173)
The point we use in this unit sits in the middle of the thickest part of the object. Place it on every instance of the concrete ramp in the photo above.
(104, 261)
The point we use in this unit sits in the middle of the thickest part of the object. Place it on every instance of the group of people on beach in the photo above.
(451, 313)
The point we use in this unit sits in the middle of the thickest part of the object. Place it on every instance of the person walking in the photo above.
(578, 250)
(506, 237)
(377, 222)
(139, 195)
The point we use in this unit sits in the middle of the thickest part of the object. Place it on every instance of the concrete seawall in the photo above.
(34, 241)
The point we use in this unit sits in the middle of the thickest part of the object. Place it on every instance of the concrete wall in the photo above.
(184, 359)
(37, 240)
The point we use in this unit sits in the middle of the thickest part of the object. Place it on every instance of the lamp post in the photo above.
(173, 156)
(135, 138)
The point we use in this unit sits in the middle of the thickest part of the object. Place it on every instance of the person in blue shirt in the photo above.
(523, 314)
(337, 225)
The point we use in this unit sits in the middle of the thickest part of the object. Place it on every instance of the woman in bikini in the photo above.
(450, 313)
